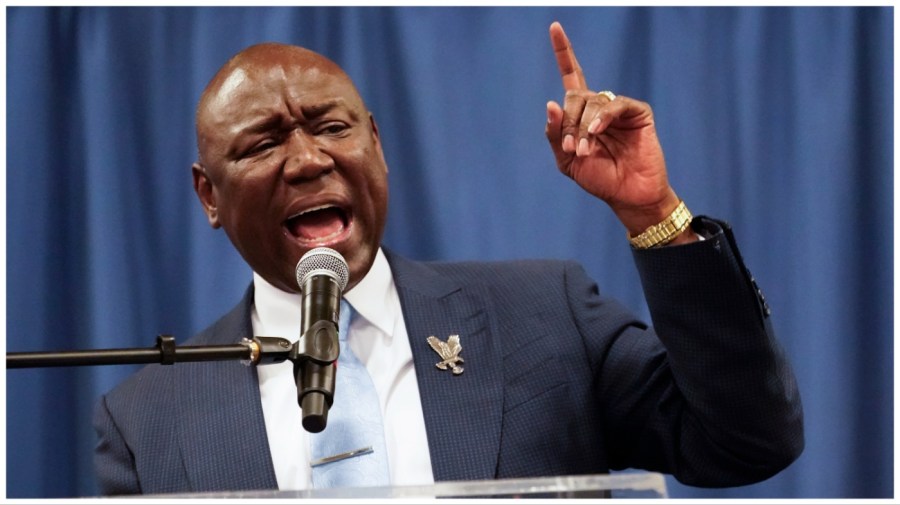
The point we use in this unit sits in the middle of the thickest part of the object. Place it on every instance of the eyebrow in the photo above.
(317, 110)
(264, 124)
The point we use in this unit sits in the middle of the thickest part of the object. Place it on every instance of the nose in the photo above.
(306, 159)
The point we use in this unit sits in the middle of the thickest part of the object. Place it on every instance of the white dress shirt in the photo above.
(378, 337)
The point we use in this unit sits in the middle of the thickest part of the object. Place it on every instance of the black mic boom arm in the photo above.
(258, 351)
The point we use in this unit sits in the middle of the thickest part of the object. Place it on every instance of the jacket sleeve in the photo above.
(707, 394)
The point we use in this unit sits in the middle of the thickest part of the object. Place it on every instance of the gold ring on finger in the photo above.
(608, 94)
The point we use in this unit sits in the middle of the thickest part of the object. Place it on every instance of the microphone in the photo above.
(322, 274)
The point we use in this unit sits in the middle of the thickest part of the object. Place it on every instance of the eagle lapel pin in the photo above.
(449, 353)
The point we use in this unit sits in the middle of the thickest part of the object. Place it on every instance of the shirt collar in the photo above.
(370, 299)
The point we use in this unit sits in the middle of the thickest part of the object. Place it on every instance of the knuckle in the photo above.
(579, 95)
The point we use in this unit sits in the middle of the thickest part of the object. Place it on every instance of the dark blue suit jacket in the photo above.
(558, 380)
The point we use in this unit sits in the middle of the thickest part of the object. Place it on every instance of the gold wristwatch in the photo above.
(661, 234)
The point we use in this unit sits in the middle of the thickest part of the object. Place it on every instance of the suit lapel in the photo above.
(463, 413)
(224, 451)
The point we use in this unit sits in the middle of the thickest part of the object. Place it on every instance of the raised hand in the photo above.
(608, 145)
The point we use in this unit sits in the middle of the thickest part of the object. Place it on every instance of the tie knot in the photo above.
(344, 319)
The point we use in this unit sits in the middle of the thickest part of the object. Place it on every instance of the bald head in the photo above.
(254, 67)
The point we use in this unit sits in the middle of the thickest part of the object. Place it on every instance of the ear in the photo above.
(206, 193)
(377, 140)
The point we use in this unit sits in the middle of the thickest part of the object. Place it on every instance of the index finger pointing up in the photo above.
(569, 69)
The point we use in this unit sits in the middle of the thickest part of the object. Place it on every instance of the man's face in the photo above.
(290, 160)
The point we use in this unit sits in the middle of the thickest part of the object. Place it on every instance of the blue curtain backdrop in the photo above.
(778, 120)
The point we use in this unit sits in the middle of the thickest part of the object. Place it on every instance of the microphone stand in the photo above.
(313, 357)
(258, 351)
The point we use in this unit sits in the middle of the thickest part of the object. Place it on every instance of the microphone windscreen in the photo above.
(323, 261)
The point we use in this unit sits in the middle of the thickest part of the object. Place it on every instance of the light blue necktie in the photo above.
(354, 423)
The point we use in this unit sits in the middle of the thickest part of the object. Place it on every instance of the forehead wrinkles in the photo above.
(313, 86)
(291, 91)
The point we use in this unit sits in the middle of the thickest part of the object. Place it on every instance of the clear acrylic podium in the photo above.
(624, 485)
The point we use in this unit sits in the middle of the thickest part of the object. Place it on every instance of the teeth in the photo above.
(321, 207)
(345, 225)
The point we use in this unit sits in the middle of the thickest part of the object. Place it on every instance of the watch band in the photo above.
(662, 233)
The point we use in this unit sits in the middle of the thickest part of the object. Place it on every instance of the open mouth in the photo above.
(319, 226)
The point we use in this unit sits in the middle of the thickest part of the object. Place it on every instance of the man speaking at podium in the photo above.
(552, 378)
